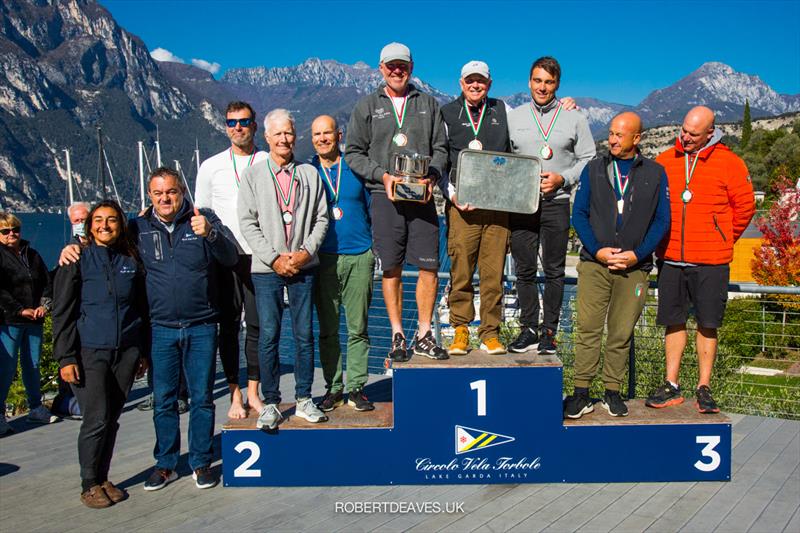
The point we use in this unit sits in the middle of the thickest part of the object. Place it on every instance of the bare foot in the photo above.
(237, 410)
(255, 403)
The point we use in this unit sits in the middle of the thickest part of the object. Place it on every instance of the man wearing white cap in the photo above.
(475, 236)
(399, 118)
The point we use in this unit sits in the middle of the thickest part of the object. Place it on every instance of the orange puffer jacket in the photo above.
(704, 230)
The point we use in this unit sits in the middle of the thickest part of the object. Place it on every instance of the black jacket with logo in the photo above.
(24, 284)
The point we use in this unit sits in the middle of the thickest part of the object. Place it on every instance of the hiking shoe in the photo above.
(114, 493)
(664, 396)
(460, 341)
(399, 351)
(331, 401)
(42, 415)
(306, 409)
(612, 402)
(358, 401)
(547, 342)
(204, 478)
(160, 478)
(525, 341)
(5, 427)
(427, 346)
(95, 498)
(183, 407)
(493, 346)
(578, 404)
(269, 417)
(705, 403)
(147, 404)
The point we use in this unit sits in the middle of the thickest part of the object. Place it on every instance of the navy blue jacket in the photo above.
(181, 266)
(99, 302)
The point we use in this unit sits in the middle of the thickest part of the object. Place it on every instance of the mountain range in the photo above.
(69, 67)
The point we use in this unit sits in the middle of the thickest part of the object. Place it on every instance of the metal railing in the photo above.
(758, 364)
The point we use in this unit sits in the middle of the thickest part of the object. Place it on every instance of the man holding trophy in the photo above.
(396, 144)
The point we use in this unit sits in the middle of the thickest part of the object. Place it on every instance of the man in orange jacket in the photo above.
(712, 202)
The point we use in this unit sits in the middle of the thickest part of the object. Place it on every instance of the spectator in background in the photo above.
(78, 212)
(25, 296)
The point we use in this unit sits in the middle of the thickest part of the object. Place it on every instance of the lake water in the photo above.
(47, 233)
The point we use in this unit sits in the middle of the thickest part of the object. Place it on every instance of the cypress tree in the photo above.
(747, 126)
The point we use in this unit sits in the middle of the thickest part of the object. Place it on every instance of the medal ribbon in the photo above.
(399, 117)
(334, 190)
(546, 133)
(235, 172)
(475, 128)
(284, 198)
(690, 173)
(620, 186)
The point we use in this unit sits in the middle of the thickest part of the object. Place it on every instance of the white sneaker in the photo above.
(269, 417)
(306, 409)
(41, 415)
(4, 426)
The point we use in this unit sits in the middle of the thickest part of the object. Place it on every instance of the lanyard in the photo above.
(399, 116)
(235, 172)
(284, 198)
(334, 190)
(689, 173)
(475, 127)
(546, 133)
(620, 182)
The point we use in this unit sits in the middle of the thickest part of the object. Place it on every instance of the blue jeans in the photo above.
(269, 300)
(25, 340)
(196, 347)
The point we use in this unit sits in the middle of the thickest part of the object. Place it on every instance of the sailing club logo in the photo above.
(471, 439)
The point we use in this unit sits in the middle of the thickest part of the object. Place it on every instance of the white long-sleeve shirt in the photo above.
(218, 189)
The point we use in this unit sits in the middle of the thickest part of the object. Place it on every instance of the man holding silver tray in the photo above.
(395, 128)
(475, 237)
(561, 138)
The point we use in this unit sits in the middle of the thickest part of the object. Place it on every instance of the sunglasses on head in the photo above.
(243, 122)
(6, 231)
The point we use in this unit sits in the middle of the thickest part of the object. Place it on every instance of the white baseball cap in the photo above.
(395, 52)
(476, 67)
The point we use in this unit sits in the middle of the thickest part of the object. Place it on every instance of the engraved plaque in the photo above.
(498, 181)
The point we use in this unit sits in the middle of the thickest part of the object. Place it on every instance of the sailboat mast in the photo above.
(158, 150)
(197, 155)
(101, 163)
(141, 172)
(69, 178)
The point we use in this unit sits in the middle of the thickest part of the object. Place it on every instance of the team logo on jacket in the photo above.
(471, 439)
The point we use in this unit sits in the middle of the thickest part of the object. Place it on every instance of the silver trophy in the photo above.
(499, 181)
(411, 167)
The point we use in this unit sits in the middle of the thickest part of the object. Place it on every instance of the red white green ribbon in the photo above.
(689, 173)
(235, 172)
(399, 116)
(620, 182)
(475, 127)
(328, 180)
(284, 198)
(546, 132)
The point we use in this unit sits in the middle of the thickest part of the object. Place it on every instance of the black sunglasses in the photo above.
(6, 231)
(243, 122)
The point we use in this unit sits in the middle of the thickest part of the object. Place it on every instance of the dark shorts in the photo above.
(705, 287)
(404, 232)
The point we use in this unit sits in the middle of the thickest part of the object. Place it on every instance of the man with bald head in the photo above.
(712, 203)
(344, 276)
(621, 213)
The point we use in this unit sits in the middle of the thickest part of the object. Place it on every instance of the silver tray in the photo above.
(498, 181)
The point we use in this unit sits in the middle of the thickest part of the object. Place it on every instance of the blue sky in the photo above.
(615, 51)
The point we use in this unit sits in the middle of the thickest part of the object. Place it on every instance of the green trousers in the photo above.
(615, 298)
(344, 281)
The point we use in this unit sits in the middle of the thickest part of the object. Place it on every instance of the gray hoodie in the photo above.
(570, 140)
(372, 126)
(260, 214)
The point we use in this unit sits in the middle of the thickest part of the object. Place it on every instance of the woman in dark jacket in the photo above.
(99, 336)
(25, 292)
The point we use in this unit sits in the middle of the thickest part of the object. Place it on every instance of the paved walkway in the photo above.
(39, 491)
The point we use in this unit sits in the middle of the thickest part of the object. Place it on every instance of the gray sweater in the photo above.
(570, 140)
(372, 126)
(260, 214)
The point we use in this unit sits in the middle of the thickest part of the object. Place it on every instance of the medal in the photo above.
(686, 195)
(337, 213)
(475, 144)
(546, 152)
(235, 172)
(286, 199)
(620, 186)
(399, 117)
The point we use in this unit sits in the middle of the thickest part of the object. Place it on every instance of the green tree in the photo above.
(747, 125)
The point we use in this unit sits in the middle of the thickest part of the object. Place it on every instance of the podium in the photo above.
(481, 419)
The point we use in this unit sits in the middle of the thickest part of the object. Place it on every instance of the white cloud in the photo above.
(213, 68)
(162, 54)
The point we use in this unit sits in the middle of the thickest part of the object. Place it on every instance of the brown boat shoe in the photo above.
(114, 493)
(95, 498)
